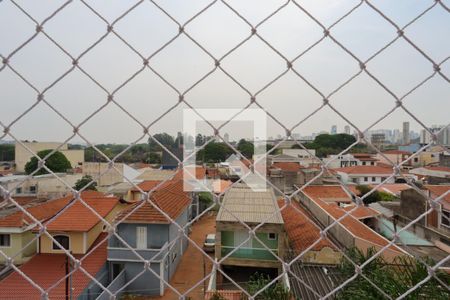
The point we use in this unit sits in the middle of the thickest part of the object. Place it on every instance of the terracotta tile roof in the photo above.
(397, 152)
(357, 228)
(438, 190)
(147, 185)
(80, 218)
(41, 211)
(394, 188)
(438, 168)
(14, 286)
(169, 198)
(328, 193)
(362, 212)
(301, 230)
(365, 170)
(287, 166)
(200, 172)
(219, 185)
(22, 200)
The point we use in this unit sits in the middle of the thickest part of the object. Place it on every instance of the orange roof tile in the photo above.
(41, 211)
(357, 228)
(47, 269)
(362, 212)
(200, 172)
(327, 193)
(301, 230)
(219, 185)
(146, 185)
(78, 217)
(287, 166)
(169, 198)
(365, 170)
(438, 190)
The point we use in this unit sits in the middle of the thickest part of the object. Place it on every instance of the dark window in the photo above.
(272, 236)
(445, 218)
(363, 163)
(383, 178)
(32, 189)
(373, 179)
(366, 179)
(5, 240)
(63, 240)
(19, 190)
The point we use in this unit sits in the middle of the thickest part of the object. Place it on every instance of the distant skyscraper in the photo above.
(333, 129)
(226, 137)
(347, 129)
(405, 133)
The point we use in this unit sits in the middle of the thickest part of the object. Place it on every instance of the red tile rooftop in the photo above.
(301, 230)
(365, 170)
(287, 166)
(362, 212)
(438, 190)
(79, 217)
(47, 269)
(354, 226)
(170, 198)
(146, 185)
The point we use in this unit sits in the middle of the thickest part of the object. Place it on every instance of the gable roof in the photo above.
(146, 185)
(301, 230)
(359, 170)
(349, 222)
(328, 193)
(41, 211)
(249, 206)
(287, 166)
(47, 269)
(170, 198)
(438, 190)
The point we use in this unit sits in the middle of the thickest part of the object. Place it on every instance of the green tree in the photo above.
(57, 162)
(276, 291)
(164, 139)
(246, 148)
(326, 144)
(84, 181)
(7, 152)
(373, 197)
(214, 152)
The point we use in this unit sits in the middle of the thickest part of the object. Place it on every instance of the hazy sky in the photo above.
(182, 63)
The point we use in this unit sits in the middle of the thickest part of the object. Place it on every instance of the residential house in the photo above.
(286, 175)
(242, 204)
(16, 237)
(432, 175)
(396, 157)
(355, 229)
(78, 230)
(364, 174)
(303, 233)
(413, 204)
(350, 160)
(147, 235)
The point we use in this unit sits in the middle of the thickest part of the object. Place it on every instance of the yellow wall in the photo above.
(75, 244)
(18, 241)
(77, 238)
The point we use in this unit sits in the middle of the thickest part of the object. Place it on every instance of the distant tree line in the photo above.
(327, 144)
(7, 152)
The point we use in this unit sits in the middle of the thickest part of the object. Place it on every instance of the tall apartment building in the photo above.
(333, 129)
(347, 129)
(406, 139)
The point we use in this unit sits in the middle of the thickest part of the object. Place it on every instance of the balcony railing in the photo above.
(126, 254)
(250, 253)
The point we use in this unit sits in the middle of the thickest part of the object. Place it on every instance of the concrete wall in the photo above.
(18, 242)
(412, 204)
(22, 155)
(326, 255)
(109, 177)
(76, 242)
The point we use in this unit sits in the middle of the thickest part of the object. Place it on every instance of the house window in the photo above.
(32, 189)
(445, 218)
(383, 178)
(372, 163)
(141, 237)
(355, 180)
(416, 159)
(63, 240)
(5, 240)
(373, 179)
(366, 179)
(19, 190)
(271, 236)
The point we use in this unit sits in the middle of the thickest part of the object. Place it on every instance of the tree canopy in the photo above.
(84, 181)
(57, 162)
(246, 148)
(326, 144)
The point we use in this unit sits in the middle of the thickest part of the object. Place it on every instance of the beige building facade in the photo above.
(22, 155)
